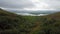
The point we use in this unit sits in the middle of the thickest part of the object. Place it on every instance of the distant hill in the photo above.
(6, 13)
(54, 15)
(34, 12)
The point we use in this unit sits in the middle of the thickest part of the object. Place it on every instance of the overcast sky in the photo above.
(30, 4)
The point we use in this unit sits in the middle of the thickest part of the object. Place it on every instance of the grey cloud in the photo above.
(26, 3)
(54, 3)
(15, 3)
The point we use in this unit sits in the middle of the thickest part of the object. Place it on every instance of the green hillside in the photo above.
(49, 24)
(11, 23)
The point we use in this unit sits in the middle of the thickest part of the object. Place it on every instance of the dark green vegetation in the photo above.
(11, 23)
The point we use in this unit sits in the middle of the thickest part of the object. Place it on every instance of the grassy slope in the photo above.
(51, 21)
(45, 22)
(34, 24)
(9, 22)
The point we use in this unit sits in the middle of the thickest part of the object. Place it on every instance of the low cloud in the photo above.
(30, 4)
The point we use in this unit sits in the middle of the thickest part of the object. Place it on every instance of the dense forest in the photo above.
(11, 23)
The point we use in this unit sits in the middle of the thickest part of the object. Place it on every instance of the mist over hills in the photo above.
(33, 13)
